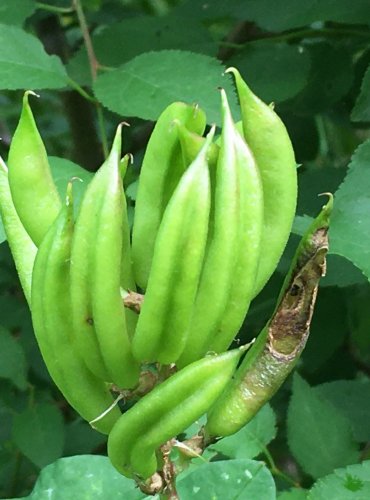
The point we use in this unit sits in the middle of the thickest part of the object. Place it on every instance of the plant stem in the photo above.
(94, 65)
(54, 8)
(303, 33)
(276, 471)
(314, 33)
(81, 91)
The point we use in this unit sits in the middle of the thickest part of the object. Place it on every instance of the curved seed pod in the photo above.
(163, 323)
(34, 194)
(22, 247)
(81, 262)
(166, 411)
(233, 243)
(247, 249)
(51, 317)
(160, 173)
(105, 276)
(279, 345)
(98, 315)
(191, 144)
(269, 142)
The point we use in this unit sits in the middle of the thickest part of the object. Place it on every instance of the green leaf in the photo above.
(24, 64)
(349, 483)
(81, 438)
(293, 494)
(340, 270)
(359, 322)
(330, 304)
(329, 79)
(236, 479)
(288, 14)
(131, 190)
(84, 477)
(349, 232)
(15, 315)
(319, 437)
(251, 440)
(12, 360)
(16, 11)
(361, 110)
(6, 419)
(144, 86)
(39, 434)
(117, 43)
(63, 171)
(301, 223)
(269, 81)
(352, 399)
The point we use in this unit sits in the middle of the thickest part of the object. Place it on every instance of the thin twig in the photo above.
(54, 8)
(94, 65)
(276, 471)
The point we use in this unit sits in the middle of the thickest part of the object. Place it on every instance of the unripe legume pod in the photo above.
(269, 142)
(98, 316)
(163, 323)
(108, 314)
(167, 411)
(22, 247)
(160, 173)
(230, 264)
(51, 317)
(33, 190)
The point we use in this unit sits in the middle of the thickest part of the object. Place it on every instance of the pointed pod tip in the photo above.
(224, 99)
(246, 347)
(115, 152)
(30, 92)
(124, 163)
(209, 139)
(212, 131)
(69, 190)
(232, 70)
(26, 108)
(328, 207)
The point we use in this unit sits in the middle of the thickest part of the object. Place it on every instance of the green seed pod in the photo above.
(161, 171)
(178, 254)
(96, 276)
(231, 260)
(269, 142)
(51, 317)
(167, 411)
(108, 313)
(22, 247)
(34, 193)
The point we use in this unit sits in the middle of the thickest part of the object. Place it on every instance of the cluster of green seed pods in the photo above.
(212, 218)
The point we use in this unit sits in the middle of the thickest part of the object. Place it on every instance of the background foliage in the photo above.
(313, 60)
